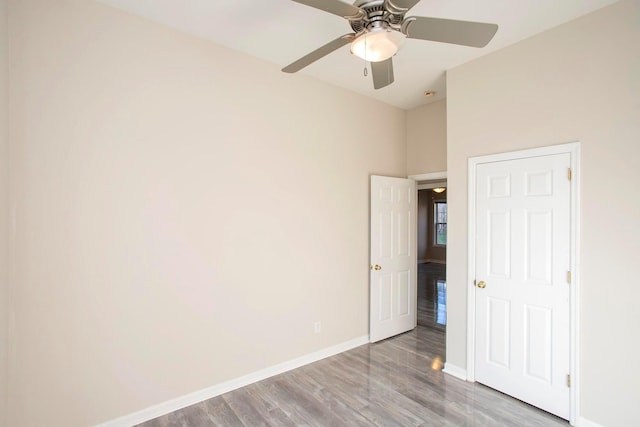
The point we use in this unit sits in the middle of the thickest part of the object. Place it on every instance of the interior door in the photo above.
(522, 299)
(393, 289)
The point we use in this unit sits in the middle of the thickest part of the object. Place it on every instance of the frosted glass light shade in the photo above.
(377, 45)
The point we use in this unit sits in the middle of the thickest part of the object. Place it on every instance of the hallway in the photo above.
(432, 290)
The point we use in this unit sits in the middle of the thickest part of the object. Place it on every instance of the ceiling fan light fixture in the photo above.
(377, 44)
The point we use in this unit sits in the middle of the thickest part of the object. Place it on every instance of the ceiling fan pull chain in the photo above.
(366, 72)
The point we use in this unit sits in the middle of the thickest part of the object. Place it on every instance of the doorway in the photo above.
(432, 255)
(431, 233)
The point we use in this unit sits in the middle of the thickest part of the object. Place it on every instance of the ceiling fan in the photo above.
(380, 26)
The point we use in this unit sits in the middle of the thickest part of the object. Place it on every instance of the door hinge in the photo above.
(568, 380)
(568, 277)
(569, 174)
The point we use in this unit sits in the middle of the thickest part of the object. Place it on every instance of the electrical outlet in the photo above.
(317, 327)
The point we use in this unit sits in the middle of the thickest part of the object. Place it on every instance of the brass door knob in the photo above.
(376, 267)
(482, 284)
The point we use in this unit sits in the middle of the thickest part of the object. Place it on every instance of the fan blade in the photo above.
(382, 73)
(318, 53)
(336, 7)
(466, 33)
(401, 4)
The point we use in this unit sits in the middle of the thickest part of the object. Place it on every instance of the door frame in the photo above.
(431, 176)
(573, 149)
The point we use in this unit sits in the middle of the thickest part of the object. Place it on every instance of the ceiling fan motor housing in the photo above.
(378, 14)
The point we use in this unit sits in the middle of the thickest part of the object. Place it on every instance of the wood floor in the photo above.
(397, 382)
(432, 289)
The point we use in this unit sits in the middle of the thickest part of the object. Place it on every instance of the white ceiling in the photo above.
(281, 31)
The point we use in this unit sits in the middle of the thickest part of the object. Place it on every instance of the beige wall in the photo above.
(4, 213)
(580, 81)
(427, 138)
(185, 213)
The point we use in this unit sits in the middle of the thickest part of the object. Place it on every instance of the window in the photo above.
(440, 223)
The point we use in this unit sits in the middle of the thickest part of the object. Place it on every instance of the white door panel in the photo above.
(393, 290)
(523, 256)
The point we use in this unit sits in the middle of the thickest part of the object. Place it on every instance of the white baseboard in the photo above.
(218, 389)
(455, 371)
(583, 422)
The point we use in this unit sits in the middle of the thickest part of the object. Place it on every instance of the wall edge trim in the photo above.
(583, 422)
(233, 384)
(455, 371)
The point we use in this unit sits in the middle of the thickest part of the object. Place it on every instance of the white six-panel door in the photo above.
(393, 289)
(522, 297)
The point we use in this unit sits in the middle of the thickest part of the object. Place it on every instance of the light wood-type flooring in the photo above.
(397, 382)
